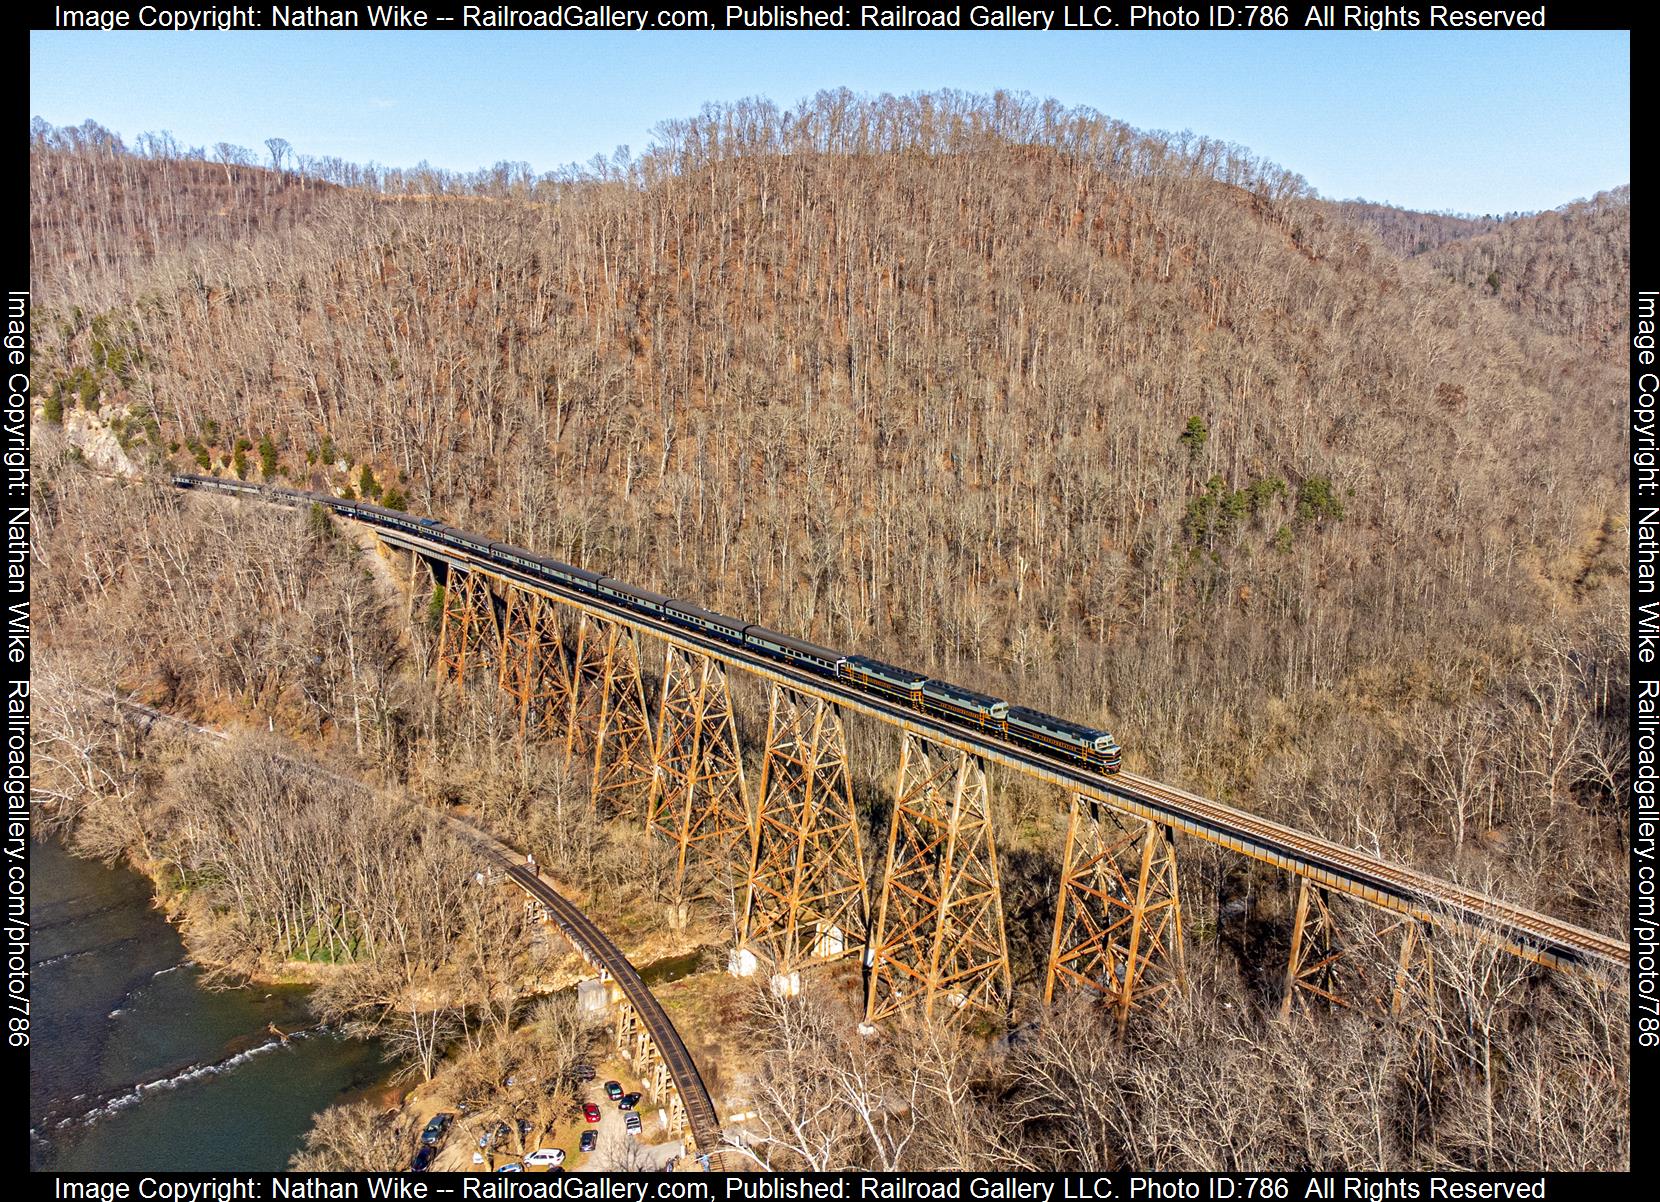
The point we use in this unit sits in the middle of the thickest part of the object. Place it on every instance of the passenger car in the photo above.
(1032, 731)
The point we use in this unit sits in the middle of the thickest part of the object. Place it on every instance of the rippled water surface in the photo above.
(134, 1066)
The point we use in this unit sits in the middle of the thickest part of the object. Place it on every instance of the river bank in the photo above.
(136, 1066)
(140, 1065)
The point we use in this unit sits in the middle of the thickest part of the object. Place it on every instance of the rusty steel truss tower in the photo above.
(939, 943)
(697, 792)
(1328, 969)
(1118, 920)
(469, 635)
(804, 900)
(532, 651)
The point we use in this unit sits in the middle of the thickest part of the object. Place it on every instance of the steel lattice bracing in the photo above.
(805, 897)
(1326, 970)
(469, 638)
(622, 726)
(697, 792)
(531, 659)
(939, 939)
(581, 681)
(585, 689)
(1357, 874)
(1118, 920)
(1414, 983)
(1317, 969)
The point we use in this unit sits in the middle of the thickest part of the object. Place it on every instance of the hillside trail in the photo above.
(1592, 555)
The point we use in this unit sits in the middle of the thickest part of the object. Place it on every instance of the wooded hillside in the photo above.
(1287, 494)
(1567, 271)
(1133, 430)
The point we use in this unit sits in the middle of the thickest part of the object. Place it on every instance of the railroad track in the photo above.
(1528, 933)
(1525, 932)
(694, 1095)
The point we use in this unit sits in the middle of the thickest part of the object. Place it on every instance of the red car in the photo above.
(590, 1112)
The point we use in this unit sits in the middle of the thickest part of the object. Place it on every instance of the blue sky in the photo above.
(1469, 122)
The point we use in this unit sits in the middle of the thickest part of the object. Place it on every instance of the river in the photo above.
(134, 1066)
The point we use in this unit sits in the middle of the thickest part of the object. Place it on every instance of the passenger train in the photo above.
(1056, 737)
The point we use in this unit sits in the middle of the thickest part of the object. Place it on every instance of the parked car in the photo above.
(629, 1100)
(423, 1159)
(500, 1132)
(434, 1130)
(589, 1141)
(632, 1122)
(582, 1072)
(545, 1156)
(511, 1166)
(590, 1112)
(614, 1090)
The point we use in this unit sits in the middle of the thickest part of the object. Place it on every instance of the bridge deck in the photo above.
(1396, 887)
(1525, 932)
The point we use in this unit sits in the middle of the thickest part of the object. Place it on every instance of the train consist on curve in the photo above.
(1056, 737)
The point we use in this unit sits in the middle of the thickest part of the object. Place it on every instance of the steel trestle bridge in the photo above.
(571, 659)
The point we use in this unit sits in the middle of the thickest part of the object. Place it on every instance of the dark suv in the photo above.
(434, 1131)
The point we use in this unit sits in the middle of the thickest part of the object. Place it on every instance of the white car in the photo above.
(552, 1157)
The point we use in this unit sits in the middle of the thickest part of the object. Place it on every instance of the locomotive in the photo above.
(1053, 737)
